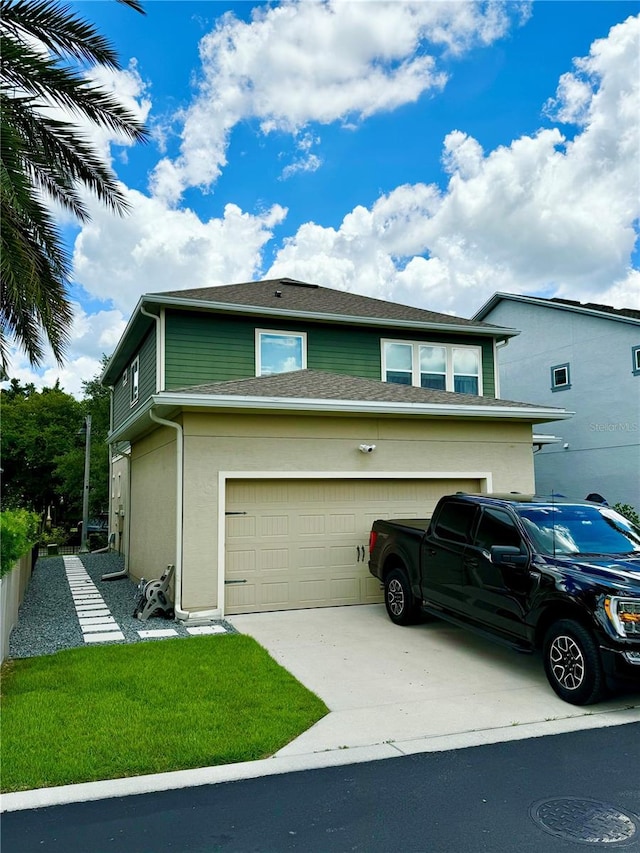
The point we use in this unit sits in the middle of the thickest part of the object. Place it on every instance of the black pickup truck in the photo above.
(553, 575)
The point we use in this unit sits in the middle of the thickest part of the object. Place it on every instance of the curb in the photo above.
(278, 764)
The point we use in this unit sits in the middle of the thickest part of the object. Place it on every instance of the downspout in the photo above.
(496, 366)
(177, 589)
(177, 594)
(159, 345)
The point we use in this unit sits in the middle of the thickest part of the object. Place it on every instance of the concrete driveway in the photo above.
(429, 686)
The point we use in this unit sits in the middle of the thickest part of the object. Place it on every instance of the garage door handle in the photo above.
(244, 580)
(360, 551)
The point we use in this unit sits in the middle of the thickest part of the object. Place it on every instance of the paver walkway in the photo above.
(96, 620)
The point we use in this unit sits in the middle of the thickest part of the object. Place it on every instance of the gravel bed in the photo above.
(47, 620)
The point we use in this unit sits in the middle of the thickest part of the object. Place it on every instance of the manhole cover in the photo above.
(584, 821)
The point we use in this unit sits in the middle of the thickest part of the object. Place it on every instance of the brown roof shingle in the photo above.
(283, 294)
(319, 385)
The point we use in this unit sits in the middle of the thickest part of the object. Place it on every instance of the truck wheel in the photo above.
(572, 663)
(398, 598)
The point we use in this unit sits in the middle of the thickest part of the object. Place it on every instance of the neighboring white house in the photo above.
(586, 358)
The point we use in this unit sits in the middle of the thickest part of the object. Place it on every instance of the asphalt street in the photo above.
(565, 792)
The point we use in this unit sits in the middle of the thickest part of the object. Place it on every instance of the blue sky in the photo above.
(427, 153)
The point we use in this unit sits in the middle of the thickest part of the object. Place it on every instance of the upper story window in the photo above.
(280, 352)
(635, 355)
(135, 379)
(124, 377)
(439, 366)
(560, 377)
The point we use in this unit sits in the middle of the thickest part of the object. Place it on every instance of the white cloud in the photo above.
(155, 248)
(306, 161)
(91, 336)
(318, 62)
(542, 213)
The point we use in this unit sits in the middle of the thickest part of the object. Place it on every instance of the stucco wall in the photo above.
(603, 437)
(153, 505)
(119, 515)
(214, 443)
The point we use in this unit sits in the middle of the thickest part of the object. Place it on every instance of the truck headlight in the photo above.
(624, 615)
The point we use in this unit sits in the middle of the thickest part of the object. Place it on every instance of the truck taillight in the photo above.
(372, 540)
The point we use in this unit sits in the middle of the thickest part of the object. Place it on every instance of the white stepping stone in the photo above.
(158, 632)
(97, 629)
(206, 629)
(104, 638)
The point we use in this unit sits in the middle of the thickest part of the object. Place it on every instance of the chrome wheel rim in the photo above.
(567, 662)
(395, 597)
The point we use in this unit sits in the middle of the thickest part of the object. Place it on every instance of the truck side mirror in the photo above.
(508, 555)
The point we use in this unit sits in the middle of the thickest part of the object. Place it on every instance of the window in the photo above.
(497, 528)
(135, 377)
(454, 521)
(560, 377)
(635, 357)
(280, 352)
(439, 366)
(124, 377)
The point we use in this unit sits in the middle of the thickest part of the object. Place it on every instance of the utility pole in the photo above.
(84, 543)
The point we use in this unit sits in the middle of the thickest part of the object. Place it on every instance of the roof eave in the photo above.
(541, 302)
(171, 404)
(297, 404)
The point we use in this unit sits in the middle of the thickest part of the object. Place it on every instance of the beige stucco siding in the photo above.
(119, 515)
(276, 445)
(153, 505)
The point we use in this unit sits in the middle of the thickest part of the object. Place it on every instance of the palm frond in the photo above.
(43, 156)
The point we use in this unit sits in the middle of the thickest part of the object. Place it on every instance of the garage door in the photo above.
(304, 543)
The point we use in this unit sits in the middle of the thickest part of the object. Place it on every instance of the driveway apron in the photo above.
(387, 684)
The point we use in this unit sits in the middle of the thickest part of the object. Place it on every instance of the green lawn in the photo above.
(113, 711)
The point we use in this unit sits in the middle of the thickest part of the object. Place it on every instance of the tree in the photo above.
(43, 450)
(38, 428)
(45, 48)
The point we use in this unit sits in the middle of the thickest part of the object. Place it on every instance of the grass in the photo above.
(113, 711)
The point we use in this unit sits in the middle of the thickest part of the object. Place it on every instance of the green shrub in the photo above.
(18, 534)
(54, 536)
(629, 512)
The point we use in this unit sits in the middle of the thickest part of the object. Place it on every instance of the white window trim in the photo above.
(561, 386)
(635, 355)
(135, 381)
(283, 334)
(415, 360)
(124, 377)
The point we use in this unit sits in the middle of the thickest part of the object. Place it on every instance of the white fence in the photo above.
(12, 589)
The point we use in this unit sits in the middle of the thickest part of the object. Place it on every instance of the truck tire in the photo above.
(402, 607)
(572, 663)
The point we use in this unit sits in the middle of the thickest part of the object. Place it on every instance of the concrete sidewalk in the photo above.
(391, 691)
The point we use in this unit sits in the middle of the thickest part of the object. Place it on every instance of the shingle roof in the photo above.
(319, 385)
(623, 314)
(595, 306)
(285, 294)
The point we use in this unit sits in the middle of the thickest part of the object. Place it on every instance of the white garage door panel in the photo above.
(303, 543)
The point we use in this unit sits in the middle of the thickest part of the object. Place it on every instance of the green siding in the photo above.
(122, 407)
(203, 348)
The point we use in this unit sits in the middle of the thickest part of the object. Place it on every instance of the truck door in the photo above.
(442, 553)
(496, 594)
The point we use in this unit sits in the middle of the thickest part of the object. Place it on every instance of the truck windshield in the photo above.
(561, 529)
